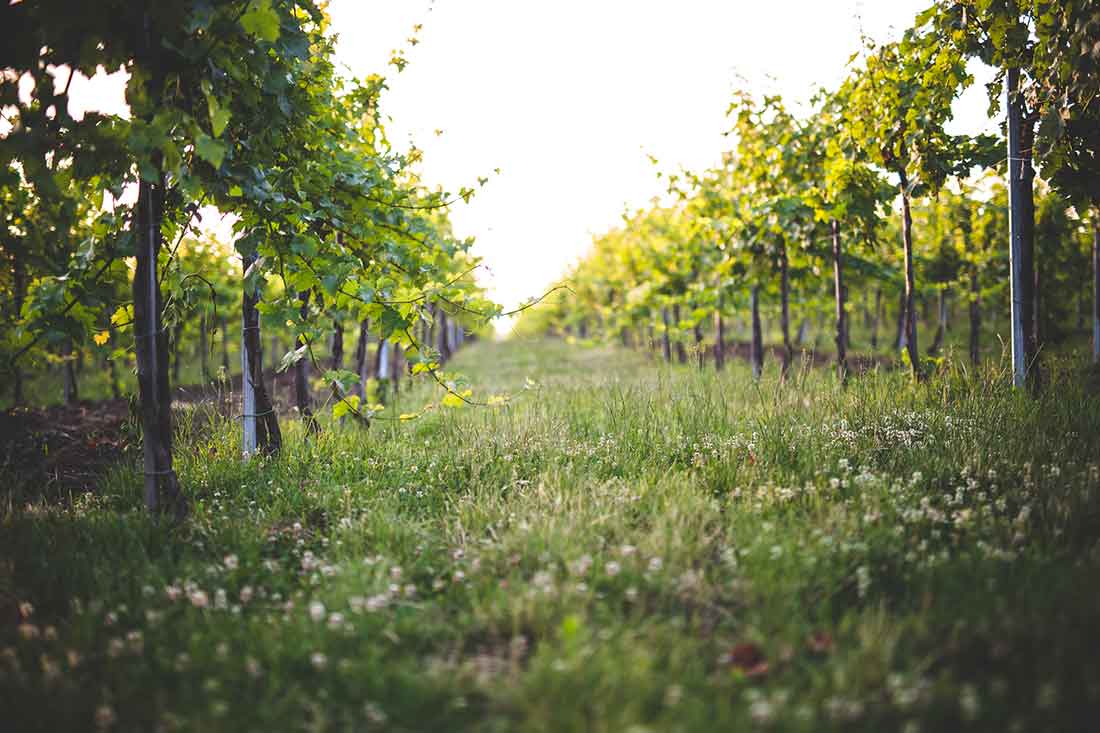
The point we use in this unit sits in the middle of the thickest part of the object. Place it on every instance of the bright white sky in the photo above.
(568, 99)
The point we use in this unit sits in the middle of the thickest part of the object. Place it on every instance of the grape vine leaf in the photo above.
(261, 21)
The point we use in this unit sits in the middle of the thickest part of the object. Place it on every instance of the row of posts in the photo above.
(445, 334)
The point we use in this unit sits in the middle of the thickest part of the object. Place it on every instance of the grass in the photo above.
(622, 546)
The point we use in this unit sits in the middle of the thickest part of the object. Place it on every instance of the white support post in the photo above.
(248, 402)
(384, 360)
(1015, 230)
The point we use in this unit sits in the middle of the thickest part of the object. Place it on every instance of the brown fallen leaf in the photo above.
(750, 659)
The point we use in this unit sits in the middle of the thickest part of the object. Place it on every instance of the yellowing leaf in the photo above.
(346, 405)
(125, 314)
(102, 337)
(452, 400)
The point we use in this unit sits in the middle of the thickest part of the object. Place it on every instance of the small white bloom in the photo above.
(252, 667)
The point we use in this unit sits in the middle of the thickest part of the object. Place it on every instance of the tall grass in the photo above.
(620, 546)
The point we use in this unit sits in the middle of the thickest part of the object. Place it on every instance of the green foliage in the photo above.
(235, 105)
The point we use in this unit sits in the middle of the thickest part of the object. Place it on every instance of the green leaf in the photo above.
(261, 21)
(392, 321)
(219, 115)
(1050, 129)
(342, 378)
(210, 150)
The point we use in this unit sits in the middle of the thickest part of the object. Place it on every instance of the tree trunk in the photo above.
(276, 359)
(756, 351)
(337, 344)
(1021, 222)
(302, 399)
(899, 340)
(162, 489)
(847, 322)
(700, 349)
(204, 349)
(681, 352)
(975, 317)
(875, 320)
(785, 312)
(224, 326)
(444, 337)
(941, 324)
(910, 319)
(19, 288)
(177, 337)
(841, 314)
(666, 344)
(1036, 328)
(71, 393)
(361, 358)
(1096, 286)
(261, 424)
(719, 339)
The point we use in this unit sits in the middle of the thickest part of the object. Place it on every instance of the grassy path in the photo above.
(618, 547)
